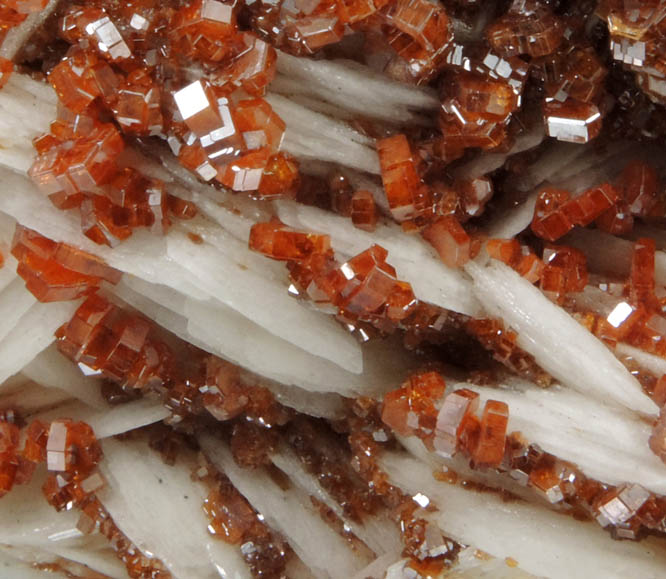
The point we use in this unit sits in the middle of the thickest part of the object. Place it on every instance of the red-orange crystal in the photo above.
(450, 240)
(489, 451)
(363, 210)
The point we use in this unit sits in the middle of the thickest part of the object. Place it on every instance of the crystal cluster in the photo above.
(501, 342)
(117, 81)
(57, 271)
(611, 207)
(363, 291)
(436, 210)
(637, 41)
(71, 453)
(429, 551)
(519, 257)
(105, 340)
(235, 521)
(415, 34)
(449, 425)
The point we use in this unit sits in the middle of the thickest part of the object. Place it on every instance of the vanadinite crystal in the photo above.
(56, 271)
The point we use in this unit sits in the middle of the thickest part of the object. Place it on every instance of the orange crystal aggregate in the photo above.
(410, 410)
(518, 257)
(72, 453)
(628, 511)
(124, 347)
(611, 207)
(116, 69)
(407, 196)
(489, 450)
(363, 290)
(450, 419)
(564, 271)
(57, 271)
(234, 520)
(276, 241)
(501, 342)
(636, 41)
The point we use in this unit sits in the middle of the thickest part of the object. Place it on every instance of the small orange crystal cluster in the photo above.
(412, 410)
(639, 318)
(126, 348)
(501, 342)
(637, 40)
(234, 520)
(519, 257)
(118, 80)
(415, 33)
(449, 426)
(363, 291)
(57, 271)
(71, 453)
(437, 210)
(611, 207)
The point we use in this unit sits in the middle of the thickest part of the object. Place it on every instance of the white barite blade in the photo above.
(33, 334)
(267, 304)
(291, 513)
(112, 420)
(414, 261)
(101, 560)
(159, 508)
(8, 271)
(313, 135)
(232, 336)
(649, 362)
(27, 397)
(355, 88)
(559, 344)
(15, 301)
(18, 36)
(50, 368)
(308, 121)
(540, 540)
(26, 113)
(28, 520)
